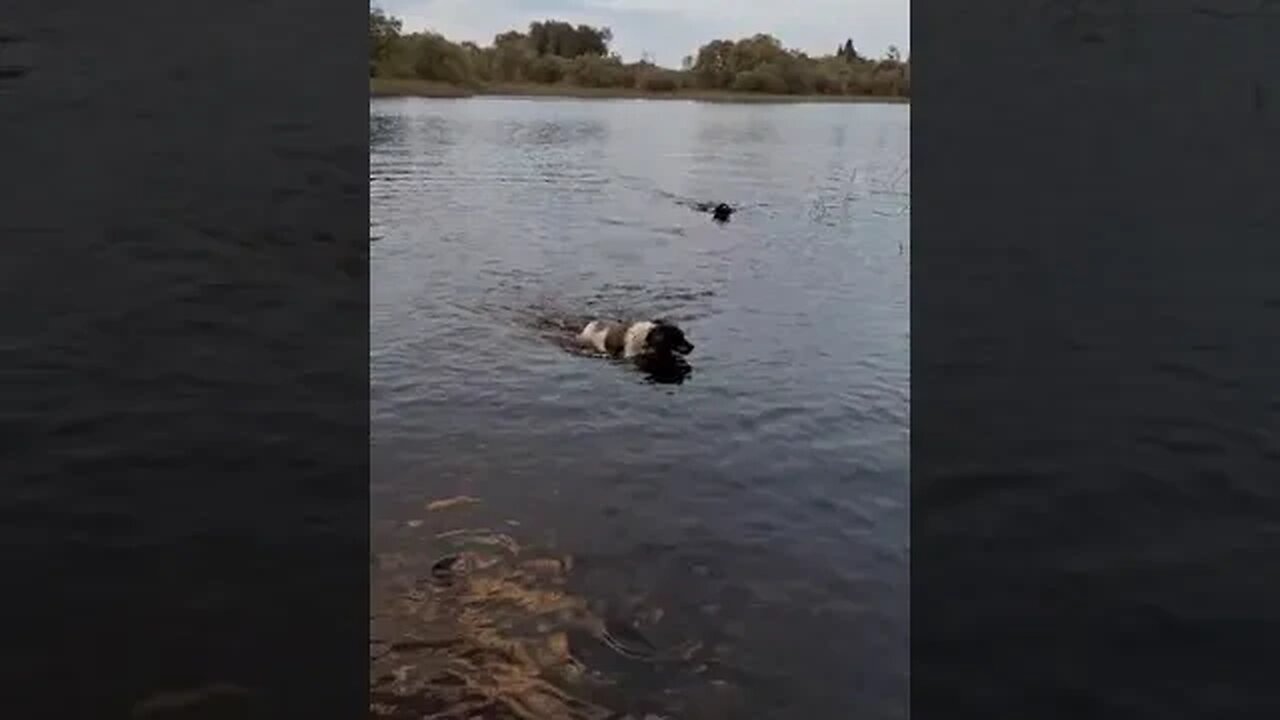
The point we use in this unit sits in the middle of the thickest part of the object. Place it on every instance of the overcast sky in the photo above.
(671, 29)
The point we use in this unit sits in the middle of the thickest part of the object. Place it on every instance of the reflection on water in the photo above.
(562, 535)
(666, 370)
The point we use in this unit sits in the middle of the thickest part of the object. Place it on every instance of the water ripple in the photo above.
(632, 547)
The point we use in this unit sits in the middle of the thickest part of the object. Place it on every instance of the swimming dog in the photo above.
(720, 212)
(644, 339)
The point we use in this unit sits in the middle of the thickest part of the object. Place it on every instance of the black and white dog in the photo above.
(647, 339)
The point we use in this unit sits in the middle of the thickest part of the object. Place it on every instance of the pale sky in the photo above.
(671, 29)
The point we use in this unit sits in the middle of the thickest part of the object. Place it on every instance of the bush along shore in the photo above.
(559, 59)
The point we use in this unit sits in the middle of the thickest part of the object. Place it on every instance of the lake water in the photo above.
(558, 535)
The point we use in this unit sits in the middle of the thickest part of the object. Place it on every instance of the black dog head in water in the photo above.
(722, 212)
(664, 369)
(664, 339)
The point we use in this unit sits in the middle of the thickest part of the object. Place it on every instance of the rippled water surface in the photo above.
(559, 535)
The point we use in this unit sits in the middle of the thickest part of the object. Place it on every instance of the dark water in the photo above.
(185, 480)
(1100, 302)
(558, 535)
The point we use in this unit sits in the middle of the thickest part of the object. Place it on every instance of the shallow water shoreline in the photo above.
(388, 87)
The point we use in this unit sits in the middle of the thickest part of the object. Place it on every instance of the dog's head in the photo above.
(722, 212)
(665, 338)
(664, 369)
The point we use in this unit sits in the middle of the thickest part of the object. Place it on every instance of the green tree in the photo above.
(435, 58)
(711, 66)
(512, 54)
(383, 32)
(561, 39)
(553, 51)
(850, 55)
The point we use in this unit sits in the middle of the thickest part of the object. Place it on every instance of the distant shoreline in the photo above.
(388, 87)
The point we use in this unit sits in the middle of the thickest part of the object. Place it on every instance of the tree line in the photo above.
(553, 51)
